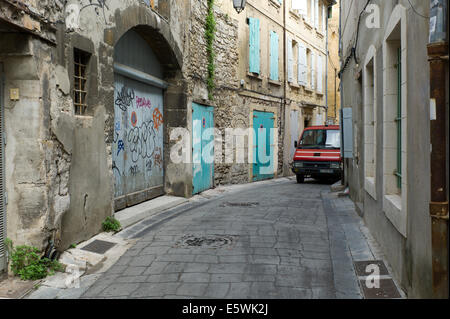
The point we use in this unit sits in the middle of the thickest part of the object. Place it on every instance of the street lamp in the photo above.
(239, 5)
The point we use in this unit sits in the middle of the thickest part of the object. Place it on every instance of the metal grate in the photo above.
(246, 204)
(361, 267)
(387, 290)
(379, 285)
(81, 60)
(99, 246)
(2, 181)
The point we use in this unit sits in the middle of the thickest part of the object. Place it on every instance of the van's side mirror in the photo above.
(296, 144)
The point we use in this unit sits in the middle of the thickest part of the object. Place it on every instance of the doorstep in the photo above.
(135, 214)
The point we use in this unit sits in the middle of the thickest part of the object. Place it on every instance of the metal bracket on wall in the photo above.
(439, 210)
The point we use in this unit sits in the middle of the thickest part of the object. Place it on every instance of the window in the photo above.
(395, 86)
(81, 63)
(321, 139)
(399, 118)
(300, 6)
(370, 122)
(254, 44)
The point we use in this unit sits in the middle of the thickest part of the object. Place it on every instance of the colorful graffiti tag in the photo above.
(157, 118)
(138, 137)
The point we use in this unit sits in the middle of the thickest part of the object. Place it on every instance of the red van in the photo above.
(318, 153)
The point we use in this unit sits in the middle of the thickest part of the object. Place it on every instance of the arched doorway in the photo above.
(138, 147)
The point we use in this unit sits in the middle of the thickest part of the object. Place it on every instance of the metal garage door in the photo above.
(2, 174)
(138, 132)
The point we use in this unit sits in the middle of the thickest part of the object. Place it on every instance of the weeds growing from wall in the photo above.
(111, 224)
(210, 34)
(27, 263)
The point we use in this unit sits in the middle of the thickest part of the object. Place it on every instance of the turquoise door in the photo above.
(263, 145)
(203, 147)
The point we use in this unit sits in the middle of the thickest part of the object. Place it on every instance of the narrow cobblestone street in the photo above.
(274, 239)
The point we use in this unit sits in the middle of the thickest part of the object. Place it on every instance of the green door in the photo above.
(202, 147)
(263, 145)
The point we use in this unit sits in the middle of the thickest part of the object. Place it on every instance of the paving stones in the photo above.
(288, 246)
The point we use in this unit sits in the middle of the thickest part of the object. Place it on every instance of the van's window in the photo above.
(321, 139)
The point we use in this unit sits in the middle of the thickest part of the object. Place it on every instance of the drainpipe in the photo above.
(283, 104)
(326, 65)
(335, 95)
(343, 182)
(438, 59)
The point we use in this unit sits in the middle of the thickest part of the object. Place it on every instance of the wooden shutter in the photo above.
(290, 59)
(312, 15)
(324, 18)
(313, 71)
(254, 43)
(319, 74)
(347, 128)
(316, 14)
(302, 65)
(2, 179)
(274, 40)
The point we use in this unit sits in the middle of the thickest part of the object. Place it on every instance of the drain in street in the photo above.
(99, 246)
(207, 241)
(246, 204)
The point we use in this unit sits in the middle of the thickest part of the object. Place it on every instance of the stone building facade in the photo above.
(93, 92)
(334, 95)
(386, 117)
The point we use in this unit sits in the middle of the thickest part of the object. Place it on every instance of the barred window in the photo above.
(81, 62)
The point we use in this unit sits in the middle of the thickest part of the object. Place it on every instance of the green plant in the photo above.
(73, 246)
(210, 33)
(27, 263)
(111, 224)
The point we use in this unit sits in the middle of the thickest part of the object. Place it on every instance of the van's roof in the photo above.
(323, 127)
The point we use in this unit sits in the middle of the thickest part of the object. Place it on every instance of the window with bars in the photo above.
(398, 172)
(81, 63)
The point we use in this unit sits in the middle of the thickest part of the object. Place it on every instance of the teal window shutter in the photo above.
(254, 52)
(274, 40)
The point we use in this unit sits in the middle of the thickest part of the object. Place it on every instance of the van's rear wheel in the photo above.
(300, 179)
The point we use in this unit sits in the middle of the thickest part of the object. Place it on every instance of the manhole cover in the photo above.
(99, 246)
(207, 241)
(386, 290)
(246, 204)
(362, 266)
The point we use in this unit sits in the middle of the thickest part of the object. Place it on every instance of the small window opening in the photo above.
(81, 62)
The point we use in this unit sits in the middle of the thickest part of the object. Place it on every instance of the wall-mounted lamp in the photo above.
(239, 5)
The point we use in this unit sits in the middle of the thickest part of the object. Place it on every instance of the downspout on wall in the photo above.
(438, 58)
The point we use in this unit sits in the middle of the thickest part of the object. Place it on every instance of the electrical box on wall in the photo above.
(14, 94)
